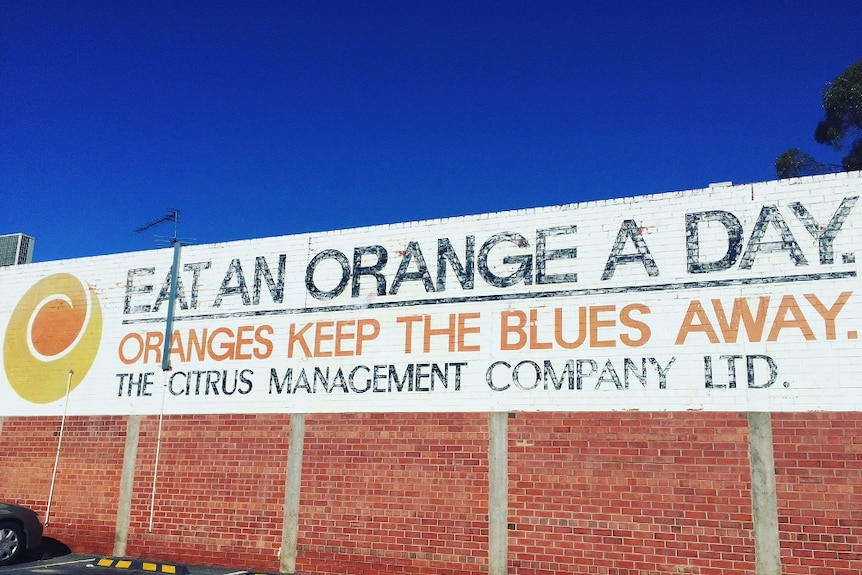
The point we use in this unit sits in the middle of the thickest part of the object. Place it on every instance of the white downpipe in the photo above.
(166, 357)
(59, 445)
(158, 453)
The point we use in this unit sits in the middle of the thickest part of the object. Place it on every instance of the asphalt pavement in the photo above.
(77, 564)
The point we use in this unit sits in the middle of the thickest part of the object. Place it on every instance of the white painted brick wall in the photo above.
(815, 354)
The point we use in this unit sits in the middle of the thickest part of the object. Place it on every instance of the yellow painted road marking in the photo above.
(149, 566)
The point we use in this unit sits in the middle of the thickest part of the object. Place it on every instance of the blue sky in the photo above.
(257, 118)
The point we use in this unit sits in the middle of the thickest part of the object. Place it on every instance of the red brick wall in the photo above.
(607, 494)
(382, 490)
(629, 493)
(86, 489)
(818, 461)
(219, 492)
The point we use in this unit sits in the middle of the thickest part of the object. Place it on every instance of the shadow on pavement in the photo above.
(51, 548)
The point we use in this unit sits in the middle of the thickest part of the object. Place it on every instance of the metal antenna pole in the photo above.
(174, 215)
(169, 322)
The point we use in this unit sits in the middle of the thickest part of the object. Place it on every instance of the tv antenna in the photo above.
(173, 214)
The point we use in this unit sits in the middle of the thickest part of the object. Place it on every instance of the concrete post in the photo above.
(498, 493)
(1, 426)
(764, 501)
(127, 483)
(293, 481)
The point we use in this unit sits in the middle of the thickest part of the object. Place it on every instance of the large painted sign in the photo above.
(736, 298)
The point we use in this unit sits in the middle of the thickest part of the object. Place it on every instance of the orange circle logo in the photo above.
(55, 329)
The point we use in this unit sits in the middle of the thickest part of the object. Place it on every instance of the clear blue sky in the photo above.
(261, 118)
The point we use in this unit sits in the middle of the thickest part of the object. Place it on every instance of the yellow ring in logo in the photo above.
(55, 329)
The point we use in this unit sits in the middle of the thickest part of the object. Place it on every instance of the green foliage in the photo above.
(842, 102)
(794, 163)
(853, 160)
(842, 105)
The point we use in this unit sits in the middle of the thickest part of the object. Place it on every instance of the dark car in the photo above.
(20, 532)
